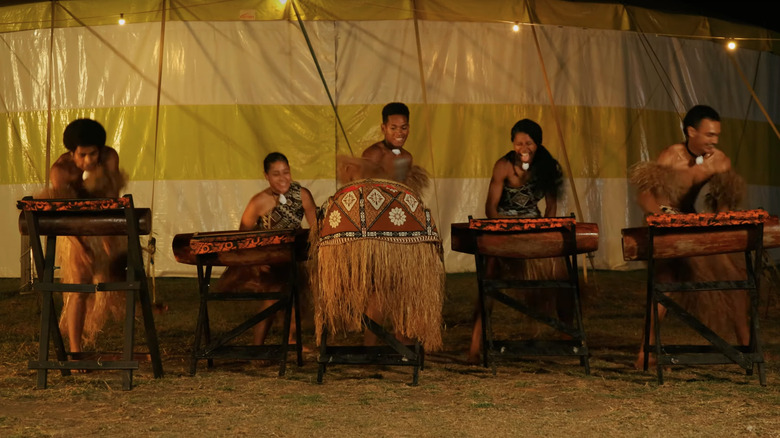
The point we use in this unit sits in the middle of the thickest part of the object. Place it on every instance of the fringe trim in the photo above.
(108, 262)
(350, 169)
(661, 181)
(726, 192)
(417, 179)
(721, 311)
(405, 281)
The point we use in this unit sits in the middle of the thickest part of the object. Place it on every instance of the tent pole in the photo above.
(49, 97)
(151, 245)
(426, 110)
(753, 93)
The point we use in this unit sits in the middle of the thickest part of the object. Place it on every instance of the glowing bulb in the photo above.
(121, 19)
(283, 2)
(515, 27)
(731, 45)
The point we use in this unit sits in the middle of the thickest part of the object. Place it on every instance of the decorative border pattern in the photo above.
(30, 204)
(516, 224)
(748, 217)
(234, 241)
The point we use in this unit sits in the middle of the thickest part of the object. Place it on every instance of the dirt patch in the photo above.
(549, 396)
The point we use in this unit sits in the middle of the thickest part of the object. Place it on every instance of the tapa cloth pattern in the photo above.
(376, 246)
(377, 209)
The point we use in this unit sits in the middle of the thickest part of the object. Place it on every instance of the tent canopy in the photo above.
(194, 94)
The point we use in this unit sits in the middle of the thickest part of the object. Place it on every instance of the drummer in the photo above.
(280, 206)
(671, 185)
(521, 179)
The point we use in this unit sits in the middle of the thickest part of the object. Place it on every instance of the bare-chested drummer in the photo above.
(89, 169)
(387, 158)
(395, 163)
(671, 185)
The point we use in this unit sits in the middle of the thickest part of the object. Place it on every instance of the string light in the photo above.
(731, 44)
(515, 27)
(121, 19)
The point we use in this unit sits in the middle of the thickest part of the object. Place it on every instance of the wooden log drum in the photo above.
(541, 240)
(88, 217)
(704, 234)
(281, 249)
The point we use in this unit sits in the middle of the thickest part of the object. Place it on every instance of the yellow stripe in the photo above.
(230, 141)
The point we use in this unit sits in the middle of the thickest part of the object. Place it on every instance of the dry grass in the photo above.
(530, 397)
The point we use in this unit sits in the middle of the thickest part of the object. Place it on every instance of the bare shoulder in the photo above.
(63, 167)
(109, 157)
(305, 193)
(671, 154)
(64, 160)
(373, 152)
(262, 197)
(502, 168)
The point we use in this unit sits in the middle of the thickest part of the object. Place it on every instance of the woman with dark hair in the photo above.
(524, 176)
(280, 206)
(521, 179)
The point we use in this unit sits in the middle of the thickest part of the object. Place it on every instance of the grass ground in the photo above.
(533, 397)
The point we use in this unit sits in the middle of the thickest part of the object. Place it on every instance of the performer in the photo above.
(281, 206)
(387, 158)
(671, 185)
(89, 169)
(521, 179)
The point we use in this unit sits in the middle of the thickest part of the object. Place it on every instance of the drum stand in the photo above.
(204, 347)
(394, 353)
(493, 349)
(68, 213)
(719, 351)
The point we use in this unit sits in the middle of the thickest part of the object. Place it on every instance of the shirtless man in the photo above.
(693, 163)
(89, 169)
(671, 185)
(395, 161)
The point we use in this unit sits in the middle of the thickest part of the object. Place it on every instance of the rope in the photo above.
(151, 244)
(557, 124)
(322, 76)
(753, 93)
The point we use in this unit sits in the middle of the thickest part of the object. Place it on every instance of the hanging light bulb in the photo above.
(516, 27)
(121, 19)
(731, 44)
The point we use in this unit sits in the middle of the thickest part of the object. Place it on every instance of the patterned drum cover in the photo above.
(378, 244)
(377, 209)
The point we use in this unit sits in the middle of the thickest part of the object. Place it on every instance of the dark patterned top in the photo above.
(287, 215)
(520, 201)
